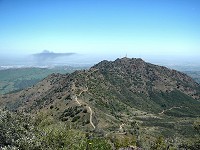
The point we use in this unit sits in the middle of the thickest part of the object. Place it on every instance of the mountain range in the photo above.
(124, 96)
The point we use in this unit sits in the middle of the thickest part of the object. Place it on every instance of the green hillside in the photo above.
(17, 79)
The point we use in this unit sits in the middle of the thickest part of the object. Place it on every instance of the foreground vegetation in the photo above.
(21, 131)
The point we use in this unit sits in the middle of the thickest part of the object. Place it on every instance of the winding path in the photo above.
(91, 117)
(169, 109)
(76, 99)
(121, 126)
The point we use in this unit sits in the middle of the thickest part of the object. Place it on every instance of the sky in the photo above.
(138, 28)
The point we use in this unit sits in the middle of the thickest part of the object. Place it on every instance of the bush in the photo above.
(121, 141)
(16, 129)
(98, 144)
(159, 144)
(75, 118)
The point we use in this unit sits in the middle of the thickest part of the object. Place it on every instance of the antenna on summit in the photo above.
(126, 55)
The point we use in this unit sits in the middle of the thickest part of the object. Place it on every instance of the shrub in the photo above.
(75, 118)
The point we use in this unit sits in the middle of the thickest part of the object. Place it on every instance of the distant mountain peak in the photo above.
(123, 62)
(129, 60)
(46, 54)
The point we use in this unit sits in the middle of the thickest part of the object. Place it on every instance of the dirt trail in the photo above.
(121, 126)
(84, 90)
(78, 102)
(76, 99)
(169, 109)
(91, 117)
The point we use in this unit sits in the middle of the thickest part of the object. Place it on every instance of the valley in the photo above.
(194, 74)
(16, 79)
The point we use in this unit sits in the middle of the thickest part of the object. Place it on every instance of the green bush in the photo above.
(75, 118)
(98, 144)
(159, 144)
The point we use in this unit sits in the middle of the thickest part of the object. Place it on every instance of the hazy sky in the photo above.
(135, 27)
